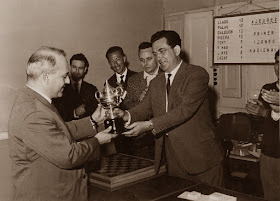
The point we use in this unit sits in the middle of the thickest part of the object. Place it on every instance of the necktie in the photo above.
(122, 82)
(168, 84)
(76, 88)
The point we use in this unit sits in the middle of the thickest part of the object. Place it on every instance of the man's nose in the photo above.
(158, 57)
(145, 63)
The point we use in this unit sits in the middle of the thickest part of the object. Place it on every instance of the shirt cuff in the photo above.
(129, 118)
(275, 116)
(74, 114)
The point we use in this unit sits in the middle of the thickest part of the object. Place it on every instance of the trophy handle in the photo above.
(97, 95)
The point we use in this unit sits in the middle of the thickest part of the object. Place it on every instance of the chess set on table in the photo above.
(119, 170)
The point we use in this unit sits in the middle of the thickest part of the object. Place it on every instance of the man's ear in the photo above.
(46, 78)
(177, 50)
(86, 70)
(124, 59)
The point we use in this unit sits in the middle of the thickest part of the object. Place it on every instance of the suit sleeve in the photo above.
(52, 141)
(91, 101)
(131, 98)
(142, 111)
(64, 109)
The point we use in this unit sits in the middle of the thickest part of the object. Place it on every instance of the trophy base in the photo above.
(117, 125)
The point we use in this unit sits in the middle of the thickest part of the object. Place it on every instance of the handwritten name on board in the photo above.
(252, 38)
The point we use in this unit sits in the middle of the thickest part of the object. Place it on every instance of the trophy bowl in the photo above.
(111, 98)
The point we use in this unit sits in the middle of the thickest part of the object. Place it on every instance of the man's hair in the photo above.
(144, 45)
(114, 49)
(276, 54)
(172, 37)
(42, 61)
(80, 57)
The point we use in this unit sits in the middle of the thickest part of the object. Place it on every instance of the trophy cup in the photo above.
(110, 98)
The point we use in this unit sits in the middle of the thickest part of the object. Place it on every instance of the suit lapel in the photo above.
(161, 89)
(176, 83)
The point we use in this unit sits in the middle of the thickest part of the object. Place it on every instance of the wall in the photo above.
(174, 6)
(235, 84)
(86, 26)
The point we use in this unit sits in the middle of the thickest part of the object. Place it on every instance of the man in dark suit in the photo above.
(137, 87)
(47, 158)
(78, 100)
(267, 109)
(118, 63)
(178, 108)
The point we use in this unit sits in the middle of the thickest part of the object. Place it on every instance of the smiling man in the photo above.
(177, 105)
(118, 63)
(137, 87)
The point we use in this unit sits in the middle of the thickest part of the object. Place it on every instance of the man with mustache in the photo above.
(78, 100)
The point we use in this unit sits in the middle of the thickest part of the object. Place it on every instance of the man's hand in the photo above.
(79, 111)
(257, 109)
(137, 128)
(99, 114)
(104, 136)
(275, 108)
(271, 97)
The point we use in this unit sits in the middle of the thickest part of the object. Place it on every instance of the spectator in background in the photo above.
(47, 160)
(78, 100)
(267, 106)
(118, 63)
(137, 87)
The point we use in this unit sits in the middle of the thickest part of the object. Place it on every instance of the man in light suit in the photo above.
(178, 108)
(137, 87)
(47, 158)
(78, 100)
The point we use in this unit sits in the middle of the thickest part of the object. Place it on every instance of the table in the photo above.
(161, 188)
(148, 189)
(206, 190)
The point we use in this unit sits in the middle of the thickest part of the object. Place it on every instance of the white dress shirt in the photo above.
(148, 77)
(119, 76)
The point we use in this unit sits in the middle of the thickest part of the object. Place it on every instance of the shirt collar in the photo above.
(119, 76)
(173, 72)
(79, 82)
(149, 75)
(46, 97)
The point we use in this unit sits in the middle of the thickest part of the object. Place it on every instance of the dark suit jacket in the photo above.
(113, 79)
(47, 162)
(188, 121)
(69, 102)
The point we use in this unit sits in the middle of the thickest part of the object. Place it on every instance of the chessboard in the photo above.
(119, 170)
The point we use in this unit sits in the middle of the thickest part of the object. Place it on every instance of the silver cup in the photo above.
(111, 98)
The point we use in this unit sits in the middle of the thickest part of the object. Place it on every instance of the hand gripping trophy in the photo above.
(111, 98)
